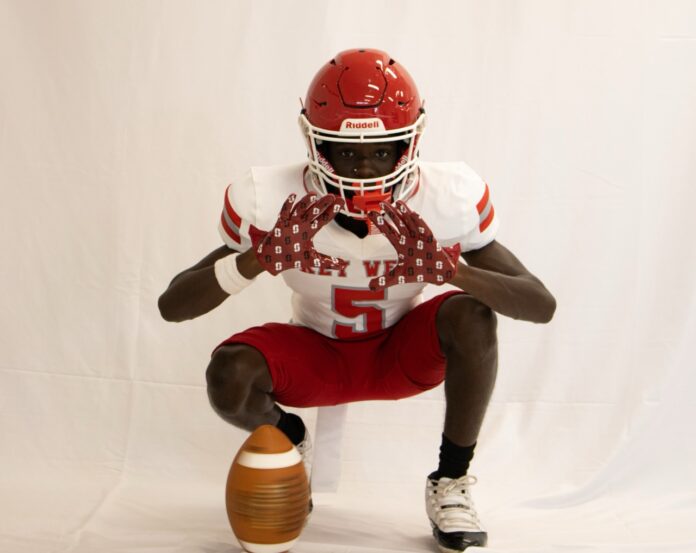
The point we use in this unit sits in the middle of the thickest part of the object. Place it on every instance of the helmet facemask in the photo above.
(364, 195)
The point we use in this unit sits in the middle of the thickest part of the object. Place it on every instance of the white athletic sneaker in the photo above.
(305, 450)
(452, 513)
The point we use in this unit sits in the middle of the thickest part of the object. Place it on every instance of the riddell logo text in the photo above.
(363, 125)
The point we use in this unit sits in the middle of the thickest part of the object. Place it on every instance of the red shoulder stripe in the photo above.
(483, 201)
(487, 221)
(229, 230)
(236, 219)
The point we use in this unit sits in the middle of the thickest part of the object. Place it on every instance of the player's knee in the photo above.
(231, 374)
(464, 322)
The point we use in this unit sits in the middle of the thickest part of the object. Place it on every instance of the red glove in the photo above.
(288, 245)
(421, 258)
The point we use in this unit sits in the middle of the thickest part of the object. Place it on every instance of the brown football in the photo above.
(267, 494)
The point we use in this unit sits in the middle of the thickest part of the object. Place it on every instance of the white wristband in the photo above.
(228, 276)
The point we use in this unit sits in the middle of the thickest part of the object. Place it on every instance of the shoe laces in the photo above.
(463, 483)
(459, 512)
(304, 447)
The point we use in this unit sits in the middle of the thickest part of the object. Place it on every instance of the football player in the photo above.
(357, 231)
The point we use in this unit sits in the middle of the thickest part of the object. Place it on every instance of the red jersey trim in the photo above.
(487, 221)
(485, 210)
(229, 231)
(236, 219)
(483, 202)
(230, 217)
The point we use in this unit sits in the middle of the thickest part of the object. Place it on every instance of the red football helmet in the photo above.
(363, 96)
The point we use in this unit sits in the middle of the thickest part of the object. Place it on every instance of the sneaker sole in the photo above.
(446, 549)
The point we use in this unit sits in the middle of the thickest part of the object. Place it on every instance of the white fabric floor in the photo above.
(121, 124)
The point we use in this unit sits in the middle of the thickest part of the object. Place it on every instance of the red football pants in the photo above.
(310, 370)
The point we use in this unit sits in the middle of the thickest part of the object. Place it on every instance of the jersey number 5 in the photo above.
(357, 302)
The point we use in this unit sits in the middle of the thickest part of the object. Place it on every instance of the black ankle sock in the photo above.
(292, 426)
(454, 459)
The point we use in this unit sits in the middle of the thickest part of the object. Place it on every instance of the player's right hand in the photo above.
(289, 245)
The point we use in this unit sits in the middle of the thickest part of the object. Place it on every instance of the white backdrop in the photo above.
(121, 124)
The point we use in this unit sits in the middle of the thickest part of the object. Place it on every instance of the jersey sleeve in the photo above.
(237, 214)
(483, 221)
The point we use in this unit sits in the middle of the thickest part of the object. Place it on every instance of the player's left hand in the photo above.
(421, 258)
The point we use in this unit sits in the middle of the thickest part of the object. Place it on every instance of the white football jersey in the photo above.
(451, 198)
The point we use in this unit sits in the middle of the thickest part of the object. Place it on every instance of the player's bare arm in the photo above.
(197, 290)
(492, 274)
(495, 277)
